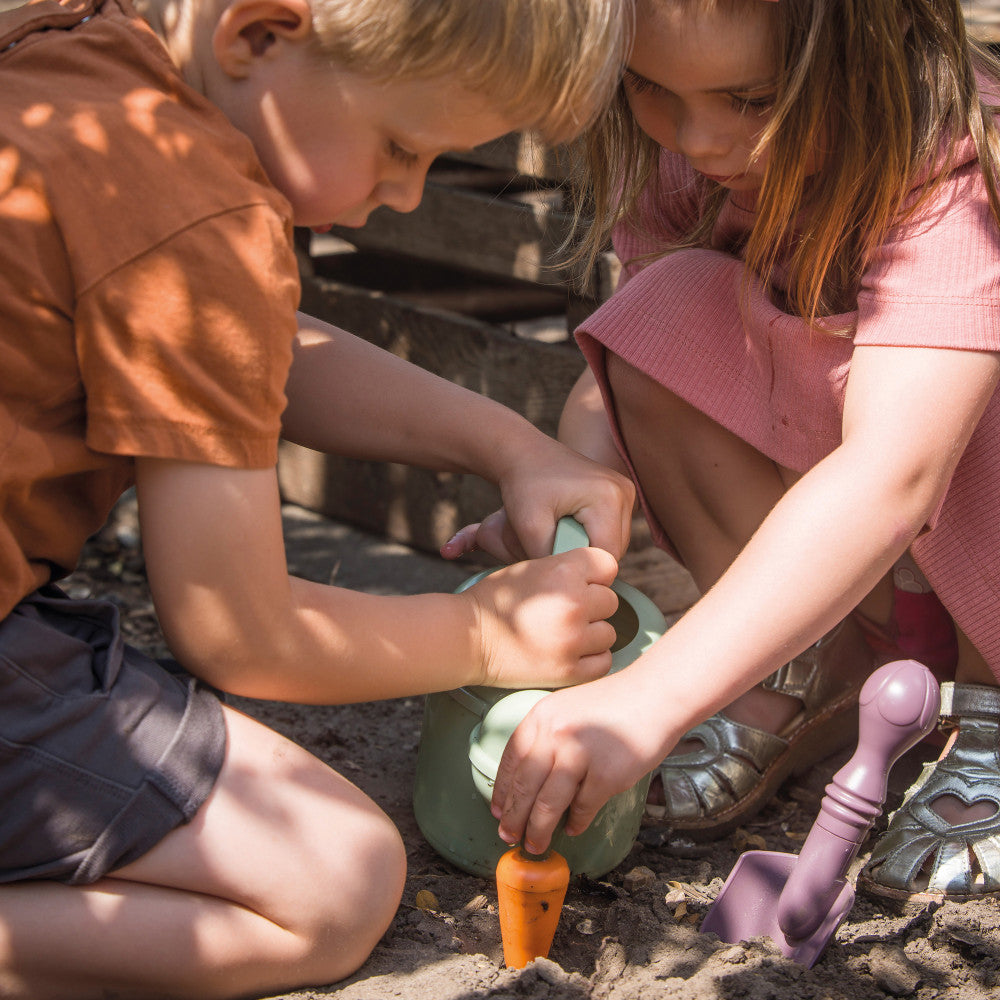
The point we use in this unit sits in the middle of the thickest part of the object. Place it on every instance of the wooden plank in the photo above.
(415, 506)
(472, 230)
(982, 19)
(514, 237)
(522, 153)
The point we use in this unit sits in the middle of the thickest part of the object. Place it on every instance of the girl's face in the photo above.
(339, 144)
(702, 84)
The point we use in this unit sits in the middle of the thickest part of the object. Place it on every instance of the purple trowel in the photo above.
(800, 901)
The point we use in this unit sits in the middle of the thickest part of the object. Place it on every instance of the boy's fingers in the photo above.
(604, 601)
(612, 537)
(601, 565)
(463, 541)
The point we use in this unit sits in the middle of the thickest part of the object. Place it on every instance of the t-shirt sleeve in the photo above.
(936, 281)
(184, 351)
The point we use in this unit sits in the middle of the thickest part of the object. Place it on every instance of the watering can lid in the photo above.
(489, 738)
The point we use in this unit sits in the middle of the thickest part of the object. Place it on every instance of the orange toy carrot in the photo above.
(531, 889)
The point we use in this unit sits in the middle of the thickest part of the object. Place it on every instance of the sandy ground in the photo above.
(632, 935)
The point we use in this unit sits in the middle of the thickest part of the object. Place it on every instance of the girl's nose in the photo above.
(696, 138)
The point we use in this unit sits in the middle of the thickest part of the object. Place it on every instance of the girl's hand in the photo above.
(574, 750)
(541, 623)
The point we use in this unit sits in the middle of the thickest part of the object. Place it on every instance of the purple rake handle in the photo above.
(899, 705)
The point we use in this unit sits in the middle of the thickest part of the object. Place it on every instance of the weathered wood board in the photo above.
(416, 506)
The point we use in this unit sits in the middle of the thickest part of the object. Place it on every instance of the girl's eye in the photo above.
(752, 104)
(639, 84)
(400, 155)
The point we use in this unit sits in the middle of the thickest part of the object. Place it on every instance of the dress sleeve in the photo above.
(936, 281)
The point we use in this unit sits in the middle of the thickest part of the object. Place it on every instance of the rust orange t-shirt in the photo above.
(148, 283)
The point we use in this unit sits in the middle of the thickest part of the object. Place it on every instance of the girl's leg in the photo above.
(287, 876)
(710, 491)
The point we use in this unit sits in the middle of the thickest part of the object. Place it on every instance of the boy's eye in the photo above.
(400, 155)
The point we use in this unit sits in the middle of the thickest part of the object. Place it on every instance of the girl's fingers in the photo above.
(585, 806)
(549, 807)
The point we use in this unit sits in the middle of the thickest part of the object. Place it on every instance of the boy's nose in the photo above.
(403, 192)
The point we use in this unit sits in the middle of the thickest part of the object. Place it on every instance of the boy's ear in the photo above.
(246, 29)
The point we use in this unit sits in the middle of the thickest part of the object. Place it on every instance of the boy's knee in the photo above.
(361, 907)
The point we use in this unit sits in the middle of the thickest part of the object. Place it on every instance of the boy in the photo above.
(152, 164)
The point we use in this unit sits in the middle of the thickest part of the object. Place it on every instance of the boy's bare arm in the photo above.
(351, 398)
(232, 614)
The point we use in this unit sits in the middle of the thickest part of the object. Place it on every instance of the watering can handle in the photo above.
(570, 534)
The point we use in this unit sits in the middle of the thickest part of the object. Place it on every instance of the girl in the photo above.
(798, 371)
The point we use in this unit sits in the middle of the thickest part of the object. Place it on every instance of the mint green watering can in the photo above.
(464, 735)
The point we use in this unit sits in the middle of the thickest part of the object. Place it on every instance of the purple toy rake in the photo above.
(799, 902)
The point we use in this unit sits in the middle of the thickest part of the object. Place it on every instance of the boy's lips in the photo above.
(322, 229)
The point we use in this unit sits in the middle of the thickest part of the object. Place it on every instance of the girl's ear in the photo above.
(246, 29)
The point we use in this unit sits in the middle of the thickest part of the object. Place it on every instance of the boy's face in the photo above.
(338, 144)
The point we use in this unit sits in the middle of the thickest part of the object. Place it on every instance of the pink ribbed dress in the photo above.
(687, 320)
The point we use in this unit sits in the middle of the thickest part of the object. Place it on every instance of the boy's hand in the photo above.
(551, 483)
(574, 750)
(541, 623)
(493, 535)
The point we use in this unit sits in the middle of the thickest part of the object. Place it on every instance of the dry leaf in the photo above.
(687, 890)
(796, 836)
(743, 840)
(426, 900)
(681, 912)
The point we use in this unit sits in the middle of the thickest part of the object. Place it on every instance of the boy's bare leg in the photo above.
(287, 876)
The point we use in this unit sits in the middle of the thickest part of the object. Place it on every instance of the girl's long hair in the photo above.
(883, 89)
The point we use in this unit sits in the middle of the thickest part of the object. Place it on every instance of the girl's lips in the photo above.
(721, 178)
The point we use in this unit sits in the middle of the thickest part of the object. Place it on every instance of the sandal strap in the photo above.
(823, 673)
(970, 701)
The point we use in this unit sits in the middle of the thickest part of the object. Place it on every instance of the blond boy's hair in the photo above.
(885, 87)
(552, 65)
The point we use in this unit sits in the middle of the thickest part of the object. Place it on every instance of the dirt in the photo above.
(633, 934)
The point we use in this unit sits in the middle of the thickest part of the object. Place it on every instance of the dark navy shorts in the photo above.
(102, 750)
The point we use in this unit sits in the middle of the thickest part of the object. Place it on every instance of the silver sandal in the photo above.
(731, 776)
(963, 858)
